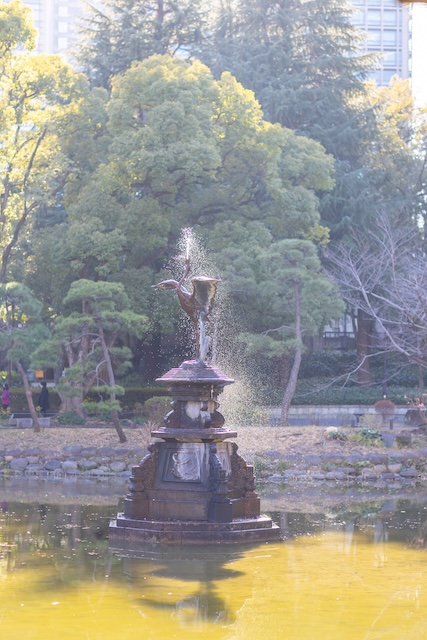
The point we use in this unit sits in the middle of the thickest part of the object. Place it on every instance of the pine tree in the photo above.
(300, 58)
(125, 31)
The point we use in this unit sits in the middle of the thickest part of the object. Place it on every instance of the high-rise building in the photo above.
(56, 22)
(387, 26)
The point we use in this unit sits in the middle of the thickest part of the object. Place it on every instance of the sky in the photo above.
(419, 53)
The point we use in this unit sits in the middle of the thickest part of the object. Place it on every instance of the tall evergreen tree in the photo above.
(125, 31)
(301, 59)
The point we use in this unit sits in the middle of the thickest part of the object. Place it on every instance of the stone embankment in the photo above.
(388, 469)
(72, 460)
(286, 456)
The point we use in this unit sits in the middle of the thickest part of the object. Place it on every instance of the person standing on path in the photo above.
(5, 397)
(43, 401)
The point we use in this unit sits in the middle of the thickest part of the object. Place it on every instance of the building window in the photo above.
(36, 13)
(376, 75)
(374, 37)
(63, 12)
(374, 17)
(390, 58)
(62, 27)
(390, 18)
(390, 38)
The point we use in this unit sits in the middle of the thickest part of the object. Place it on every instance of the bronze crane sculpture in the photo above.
(197, 305)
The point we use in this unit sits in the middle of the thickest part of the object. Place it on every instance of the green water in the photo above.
(352, 574)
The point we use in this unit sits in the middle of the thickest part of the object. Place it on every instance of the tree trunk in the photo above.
(420, 376)
(111, 381)
(72, 405)
(29, 396)
(290, 388)
(284, 368)
(363, 343)
(293, 375)
(92, 379)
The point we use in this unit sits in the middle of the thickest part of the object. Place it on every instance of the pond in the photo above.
(355, 572)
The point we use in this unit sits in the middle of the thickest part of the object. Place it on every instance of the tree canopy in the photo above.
(40, 100)
(301, 59)
(122, 32)
(16, 29)
(184, 150)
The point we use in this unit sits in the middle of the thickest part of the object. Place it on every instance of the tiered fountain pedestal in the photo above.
(193, 487)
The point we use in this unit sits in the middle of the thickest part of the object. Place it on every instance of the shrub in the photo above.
(308, 394)
(327, 363)
(332, 433)
(404, 440)
(4, 416)
(385, 408)
(19, 399)
(260, 466)
(69, 417)
(370, 435)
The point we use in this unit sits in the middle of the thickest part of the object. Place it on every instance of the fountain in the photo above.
(193, 487)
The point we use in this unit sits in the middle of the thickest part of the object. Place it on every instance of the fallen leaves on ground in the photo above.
(252, 441)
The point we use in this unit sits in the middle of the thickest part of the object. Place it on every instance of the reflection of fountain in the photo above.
(193, 487)
(198, 602)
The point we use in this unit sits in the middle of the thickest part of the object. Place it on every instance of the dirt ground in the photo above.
(253, 441)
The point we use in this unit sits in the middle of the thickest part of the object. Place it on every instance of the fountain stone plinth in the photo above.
(193, 486)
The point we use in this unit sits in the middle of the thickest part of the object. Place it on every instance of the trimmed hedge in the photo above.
(19, 399)
(353, 395)
(131, 397)
(306, 394)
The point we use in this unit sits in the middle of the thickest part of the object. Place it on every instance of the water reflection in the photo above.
(202, 603)
(354, 572)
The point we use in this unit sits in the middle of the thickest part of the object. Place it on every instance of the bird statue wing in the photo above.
(204, 290)
(197, 305)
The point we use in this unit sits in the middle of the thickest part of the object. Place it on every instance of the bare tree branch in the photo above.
(385, 275)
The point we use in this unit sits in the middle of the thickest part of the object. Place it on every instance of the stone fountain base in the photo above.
(193, 488)
(193, 492)
(182, 532)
